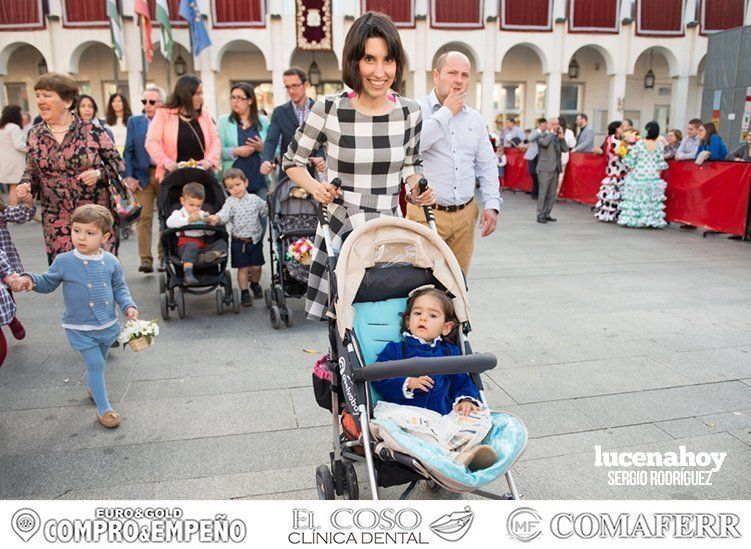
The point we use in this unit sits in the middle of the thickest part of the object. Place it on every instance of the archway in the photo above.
(330, 75)
(158, 70)
(20, 64)
(520, 87)
(242, 61)
(643, 103)
(589, 90)
(93, 66)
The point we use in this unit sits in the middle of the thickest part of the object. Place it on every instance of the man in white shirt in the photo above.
(513, 135)
(690, 145)
(456, 151)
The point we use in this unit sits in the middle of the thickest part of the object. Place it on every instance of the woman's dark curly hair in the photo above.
(446, 304)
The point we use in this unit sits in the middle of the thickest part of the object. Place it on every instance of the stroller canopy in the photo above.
(171, 188)
(392, 242)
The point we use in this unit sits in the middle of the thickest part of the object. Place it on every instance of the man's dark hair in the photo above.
(371, 25)
(695, 122)
(542, 120)
(296, 71)
(584, 116)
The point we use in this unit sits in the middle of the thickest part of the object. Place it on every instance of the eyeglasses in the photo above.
(148, 102)
(238, 98)
(292, 86)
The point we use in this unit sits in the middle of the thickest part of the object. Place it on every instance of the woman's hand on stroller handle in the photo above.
(325, 193)
(422, 194)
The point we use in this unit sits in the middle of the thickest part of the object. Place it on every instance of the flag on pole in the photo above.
(198, 33)
(116, 25)
(141, 8)
(163, 16)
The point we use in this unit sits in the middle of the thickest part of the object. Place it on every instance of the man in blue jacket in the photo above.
(140, 174)
(287, 118)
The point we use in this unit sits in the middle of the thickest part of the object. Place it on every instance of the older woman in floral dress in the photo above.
(69, 160)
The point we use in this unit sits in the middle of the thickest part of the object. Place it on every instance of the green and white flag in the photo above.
(116, 25)
(162, 15)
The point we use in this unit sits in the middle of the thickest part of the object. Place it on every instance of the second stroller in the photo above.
(210, 271)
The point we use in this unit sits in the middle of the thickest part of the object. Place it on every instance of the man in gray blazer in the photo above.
(585, 141)
(550, 145)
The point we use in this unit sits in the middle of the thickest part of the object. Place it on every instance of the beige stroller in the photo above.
(379, 264)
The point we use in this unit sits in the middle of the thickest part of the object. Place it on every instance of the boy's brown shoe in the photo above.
(110, 419)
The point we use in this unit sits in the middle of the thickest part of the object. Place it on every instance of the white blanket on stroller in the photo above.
(454, 433)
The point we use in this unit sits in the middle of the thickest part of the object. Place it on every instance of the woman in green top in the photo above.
(242, 134)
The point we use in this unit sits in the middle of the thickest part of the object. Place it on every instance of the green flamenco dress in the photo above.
(643, 192)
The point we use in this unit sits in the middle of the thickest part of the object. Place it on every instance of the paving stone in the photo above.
(738, 419)
(709, 365)
(586, 379)
(664, 404)
(686, 427)
(175, 419)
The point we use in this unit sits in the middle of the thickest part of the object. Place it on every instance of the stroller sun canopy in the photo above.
(389, 242)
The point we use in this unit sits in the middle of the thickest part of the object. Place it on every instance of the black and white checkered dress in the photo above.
(371, 155)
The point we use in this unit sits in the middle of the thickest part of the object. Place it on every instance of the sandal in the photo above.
(110, 419)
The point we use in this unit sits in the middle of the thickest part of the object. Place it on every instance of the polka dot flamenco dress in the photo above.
(643, 192)
(608, 207)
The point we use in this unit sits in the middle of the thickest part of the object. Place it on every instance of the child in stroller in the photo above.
(191, 243)
(209, 269)
(444, 409)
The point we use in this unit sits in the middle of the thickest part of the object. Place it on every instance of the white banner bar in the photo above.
(453, 523)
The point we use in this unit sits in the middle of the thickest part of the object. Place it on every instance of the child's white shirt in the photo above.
(179, 218)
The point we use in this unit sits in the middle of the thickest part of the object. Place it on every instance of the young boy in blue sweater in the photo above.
(427, 324)
(93, 283)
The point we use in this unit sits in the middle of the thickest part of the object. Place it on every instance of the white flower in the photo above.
(139, 328)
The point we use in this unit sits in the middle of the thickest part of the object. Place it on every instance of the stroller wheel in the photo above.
(180, 302)
(219, 301)
(267, 297)
(325, 483)
(275, 315)
(164, 305)
(351, 488)
(287, 316)
(162, 283)
(236, 301)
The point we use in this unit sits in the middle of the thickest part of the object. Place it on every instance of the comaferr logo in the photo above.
(657, 525)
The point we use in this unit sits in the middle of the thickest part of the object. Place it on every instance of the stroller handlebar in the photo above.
(216, 229)
(415, 367)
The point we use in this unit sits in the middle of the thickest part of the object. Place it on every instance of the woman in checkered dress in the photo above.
(372, 141)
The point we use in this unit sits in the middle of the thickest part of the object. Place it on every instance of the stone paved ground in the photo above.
(632, 340)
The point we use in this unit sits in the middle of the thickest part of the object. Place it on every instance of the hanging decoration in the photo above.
(313, 24)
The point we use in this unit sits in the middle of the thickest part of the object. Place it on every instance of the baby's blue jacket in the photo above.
(446, 388)
(90, 288)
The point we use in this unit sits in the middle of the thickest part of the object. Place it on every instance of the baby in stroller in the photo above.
(191, 243)
(443, 409)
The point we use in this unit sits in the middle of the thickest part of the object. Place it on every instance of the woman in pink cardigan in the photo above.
(182, 130)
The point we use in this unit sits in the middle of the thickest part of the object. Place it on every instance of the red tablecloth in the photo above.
(714, 196)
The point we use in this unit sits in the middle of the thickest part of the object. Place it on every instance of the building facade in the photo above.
(639, 59)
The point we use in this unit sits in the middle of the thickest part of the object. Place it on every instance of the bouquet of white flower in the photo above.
(139, 334)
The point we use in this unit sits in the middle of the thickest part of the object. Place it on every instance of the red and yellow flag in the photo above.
(141, 8)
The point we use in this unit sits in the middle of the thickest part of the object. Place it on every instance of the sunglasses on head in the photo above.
(148, 101)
